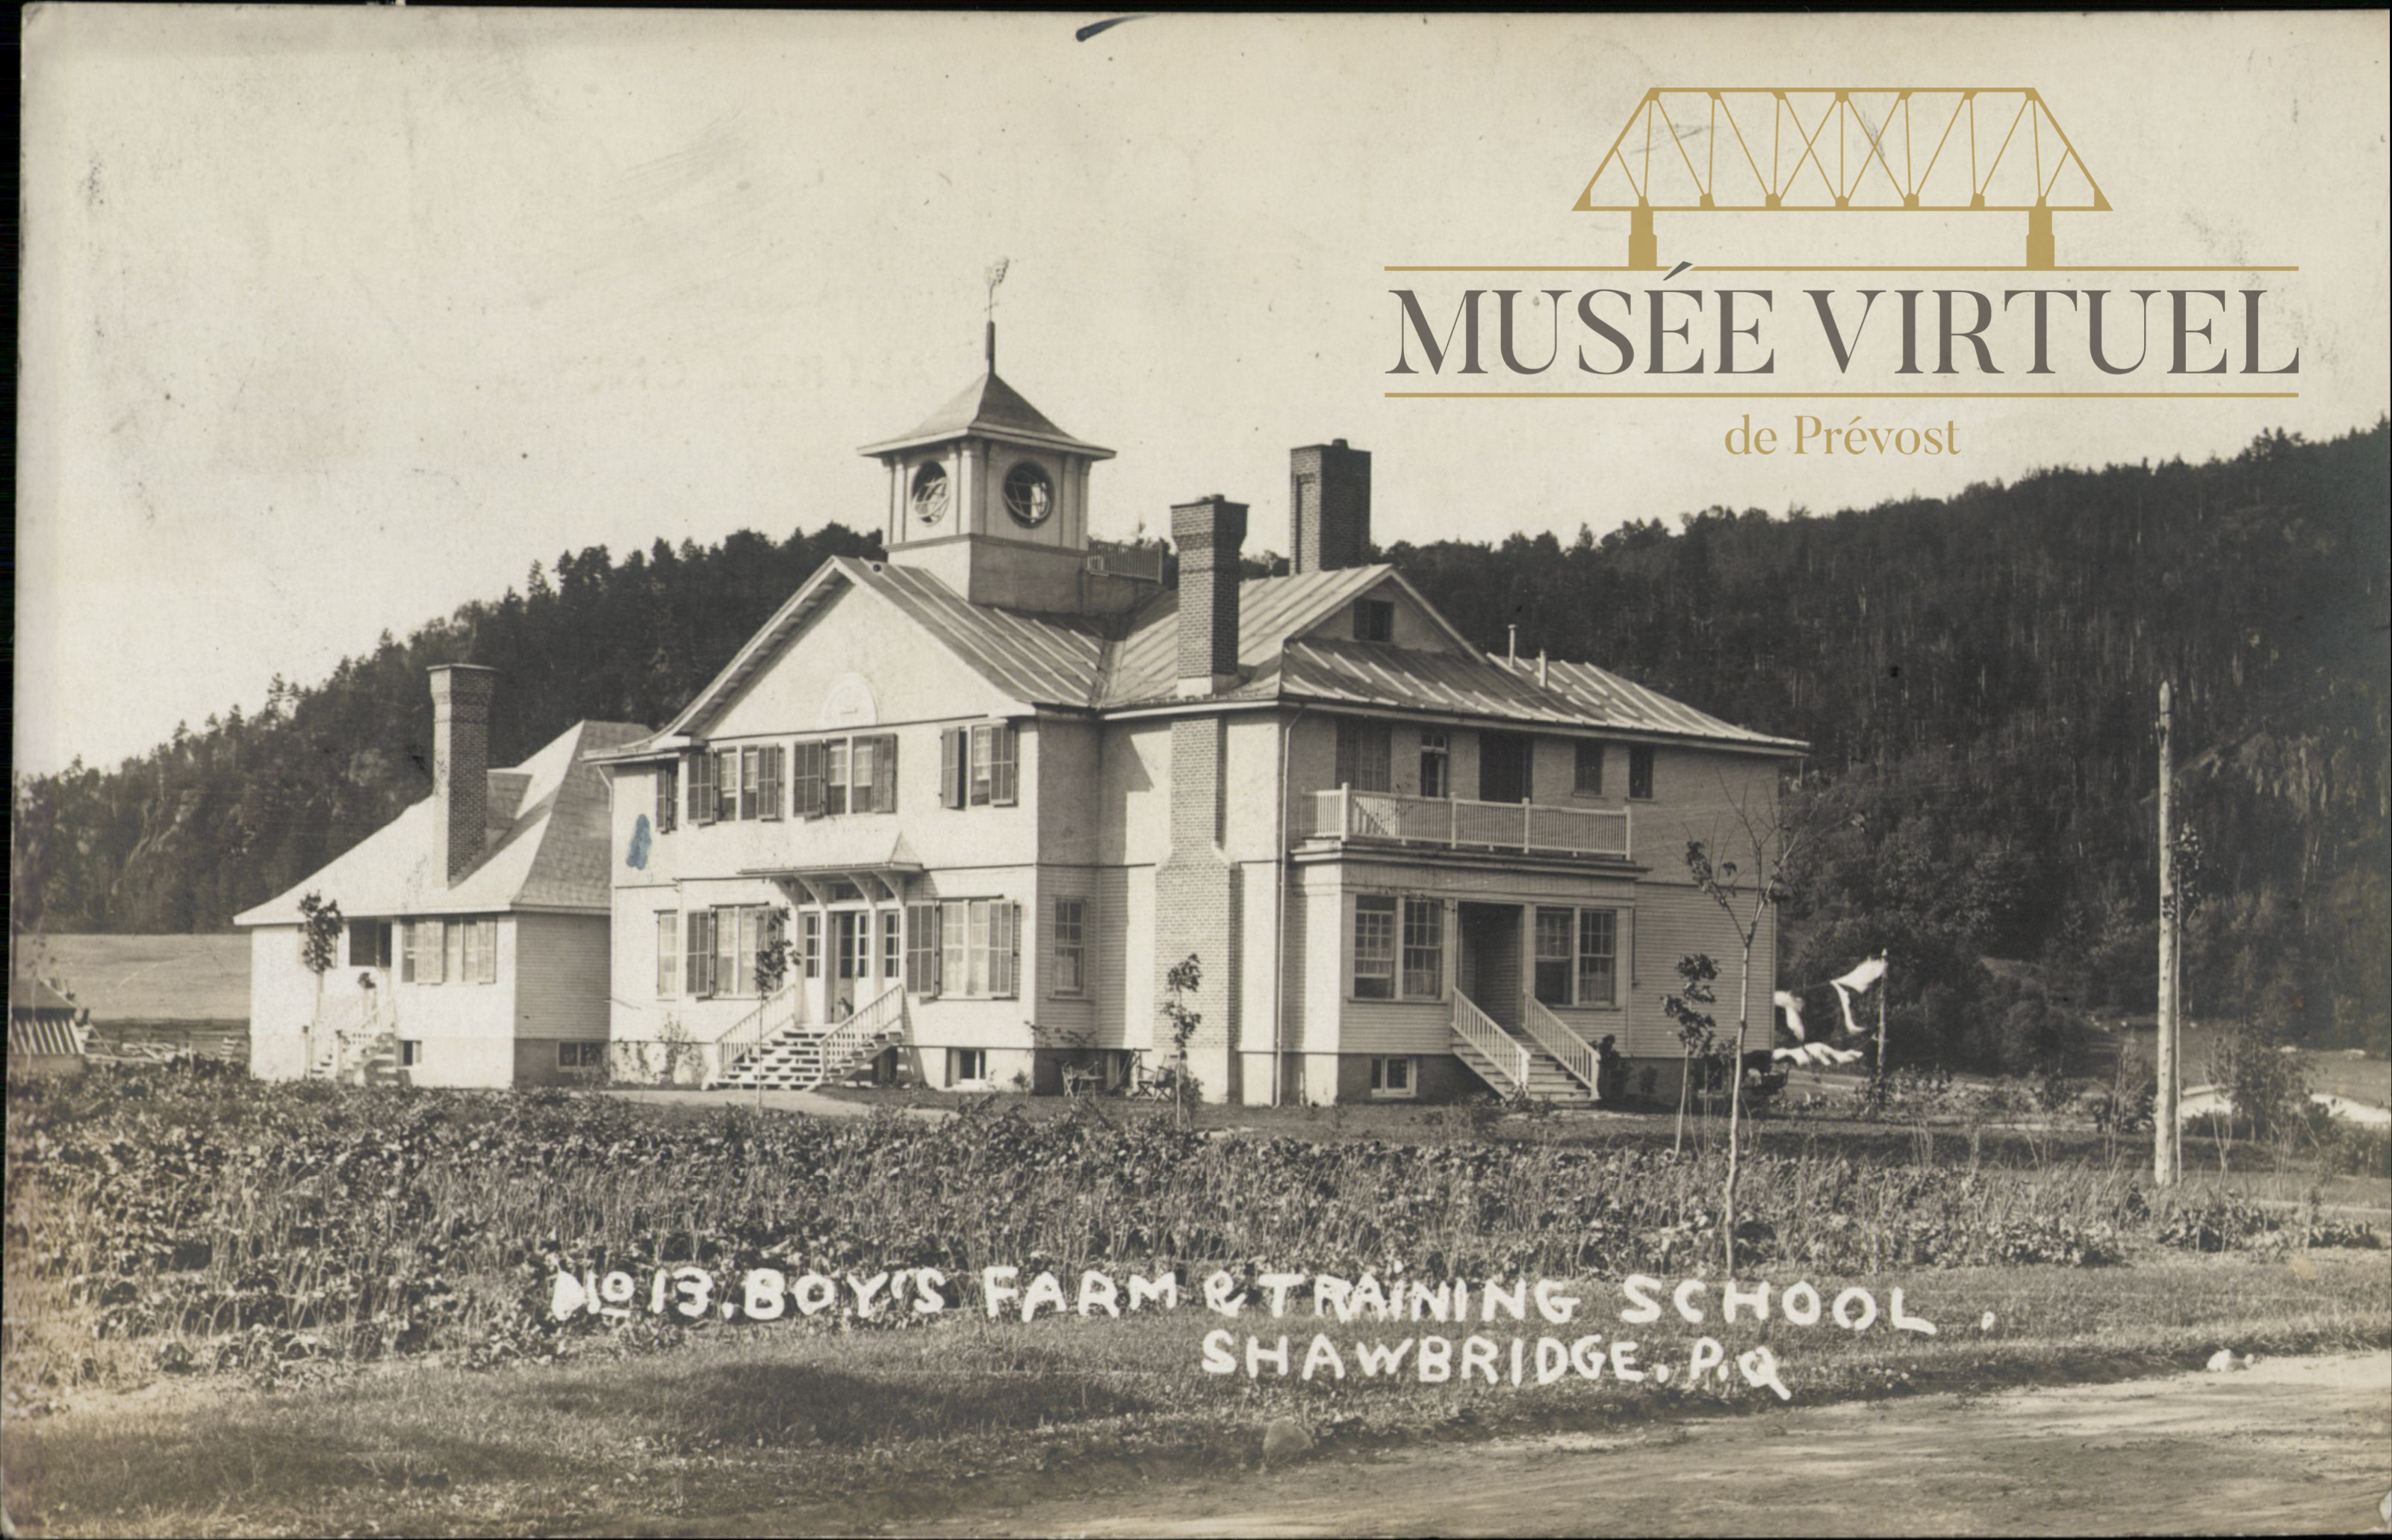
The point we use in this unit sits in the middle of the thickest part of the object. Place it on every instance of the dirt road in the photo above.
(2290, 1445)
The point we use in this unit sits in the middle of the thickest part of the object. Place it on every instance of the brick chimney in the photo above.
(1208, 533)
(460, 766)
(1329, 507)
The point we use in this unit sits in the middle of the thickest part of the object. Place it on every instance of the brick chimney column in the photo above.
(1329, 507)
(460, 766)
(1209, 533)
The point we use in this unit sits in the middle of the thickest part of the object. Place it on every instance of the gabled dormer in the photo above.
(991, 497)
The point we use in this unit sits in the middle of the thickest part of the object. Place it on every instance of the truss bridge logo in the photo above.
(1988, 150)
(1696, 171)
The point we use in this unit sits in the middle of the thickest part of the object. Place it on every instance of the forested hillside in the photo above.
(1977, 677)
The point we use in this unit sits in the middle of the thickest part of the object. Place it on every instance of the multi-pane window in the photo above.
(421, 961)
(450, 951)
(1374, 620)
(892, 949)
(1391, 1077)
(751, 780)
(1598, 959)
(1374, 948)
(1556, 953)
(1640, 771)
(668, 954)
(835, 775)
(410, 1053)
(980, 945)
(1589, 781)
(922, 948)
(1070, 945)
(730, 978)
(846, 774)
(667, 797)
(1436, 764)
(726, 785)
(1423, 958)
(582, 1055)
(1578, 956)
(810, 944)
(966, 1064)
(701, 789)
(1364, 755)
(369, 943)
(979, 765)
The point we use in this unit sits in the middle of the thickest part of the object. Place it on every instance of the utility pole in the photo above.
(1884, 987)
(2164, 1131)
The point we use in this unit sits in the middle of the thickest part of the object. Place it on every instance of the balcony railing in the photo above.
(1458, 822)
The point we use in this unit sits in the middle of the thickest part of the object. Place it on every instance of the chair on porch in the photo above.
(1149, 1085)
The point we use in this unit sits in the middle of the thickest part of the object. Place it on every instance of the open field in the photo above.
(155, 977)
(239, 1307)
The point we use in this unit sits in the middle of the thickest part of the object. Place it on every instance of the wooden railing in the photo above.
(1479, 1029)
(1573, 1052)
(750, 1032)
(842, 1044)
(1461, 823)
(340, 1030)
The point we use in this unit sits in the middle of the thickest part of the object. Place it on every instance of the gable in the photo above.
(1416, 625)
(859, 662)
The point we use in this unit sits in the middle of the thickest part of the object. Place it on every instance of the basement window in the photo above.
(580, 1055)
(966, 1064)
(1394, 1078)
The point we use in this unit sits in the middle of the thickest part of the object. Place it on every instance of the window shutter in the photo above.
(698, 957)
(1011, 950)
(489, 929)
(1003, 746)
(884, 773)
(951, 767)
(701, 788)
(770, 794)
(806, 781)
(407, 953)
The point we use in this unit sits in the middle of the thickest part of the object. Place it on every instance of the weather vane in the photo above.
(995, 276)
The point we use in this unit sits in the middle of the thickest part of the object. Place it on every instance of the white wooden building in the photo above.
(992, 787)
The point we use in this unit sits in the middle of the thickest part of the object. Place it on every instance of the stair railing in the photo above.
(746, 1036)
(1479, 1029)
(1573, 1052)
(847, 1042)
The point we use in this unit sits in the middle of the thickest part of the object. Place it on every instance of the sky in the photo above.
(335, 320)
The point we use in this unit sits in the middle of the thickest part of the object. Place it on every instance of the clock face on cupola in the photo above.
(988, 466)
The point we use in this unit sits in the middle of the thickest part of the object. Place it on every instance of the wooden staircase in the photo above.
(798, 1056)
(1511, 1066)
(355, 1045)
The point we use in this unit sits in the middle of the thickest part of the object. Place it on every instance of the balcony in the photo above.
(1457, 823)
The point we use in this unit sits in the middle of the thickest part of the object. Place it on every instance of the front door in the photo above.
(850, 964)
(1488, 969)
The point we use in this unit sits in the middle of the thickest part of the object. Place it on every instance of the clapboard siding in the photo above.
(1076, 1015)
(561, 973)
(1674, 922)
(1109, 952)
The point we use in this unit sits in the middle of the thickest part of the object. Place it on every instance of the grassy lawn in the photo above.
(829, 1430)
